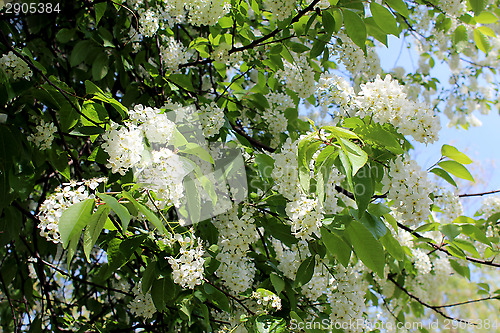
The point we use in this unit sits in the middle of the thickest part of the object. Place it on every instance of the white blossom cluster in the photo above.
(55, 204)
(334, 90)
(207, 12)
(421, 262)
(331, 202)
(352, 57)
(14, 66)
(275, 114)
(164, 175)
(298, 76)
(44, 135)
(142, 305)
(124, 146)
(267, 299)
(281, 9)
(347, 301)
(455, 8)
(285, 172)
(188, 268)
(386, 102)
(149, 22)
(409, 188)
(490, 206)
(304, 216)
(290, 258)
(173, 53)
(449, 204)
(211, 118)
(153, 123)
(236, 233)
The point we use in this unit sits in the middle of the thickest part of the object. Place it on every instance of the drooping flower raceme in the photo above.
(15, 66)
(409, 188)
(55, 204)
(142, 305)
(206, 12)
(124, 146)
(299, 76)
(164, 174)
(211, 118)
(281, 9)
(386, 102)
(149, 24)
(275, 114)
(44, 135)
(305, 217)
(173, 53)
(285, 171)
(235, 235)
(188, 267)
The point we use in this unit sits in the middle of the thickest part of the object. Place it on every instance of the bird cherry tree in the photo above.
(240, 165)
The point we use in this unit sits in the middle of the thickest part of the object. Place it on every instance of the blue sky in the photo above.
(481, 144)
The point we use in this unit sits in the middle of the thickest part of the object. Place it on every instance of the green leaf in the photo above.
(161, 292)
(328, 22)
(486, 18)
(460, 35)
(74, 219)
(217, 297)
(100, 67)
(376, 134)
(181, 80)
(482, 41)
(400, 6)
(392, 246)
(374, 30)
(307, 147)
(384, 19)
(120, 210)
(340, 132)
(477, 6)
(267, 324)
(454, 154)
(366, 247)
(265, 165)
(355, 28)
(450, 230)
(305, 271)
(100, 9)
(456, 169)
(149, 276)
(94, 228)
(356, 155)
(148, 213)
(445, 175)
(363, 188)
(91, 88)
(317, 48)
(277, 283)
(80, 52)
(336, 246)
(467, 246)
(487, 31)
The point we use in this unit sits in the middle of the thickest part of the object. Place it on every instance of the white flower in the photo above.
(44, 135)
(211, 118)
(15, 66)
(124, 146)
(188, 268)
(55, 204)
(142, 305)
